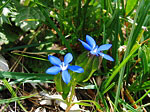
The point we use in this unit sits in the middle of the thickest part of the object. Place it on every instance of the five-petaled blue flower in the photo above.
(63, 66)
(94, 49)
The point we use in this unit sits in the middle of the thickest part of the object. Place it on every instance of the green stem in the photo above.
(69, 104)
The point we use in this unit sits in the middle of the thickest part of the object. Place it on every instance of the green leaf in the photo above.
(26, 2)
(4, 19)
(58, 82)
(138, 87)
(148, 57)
(4, 101)
(33, 76)
(139, 100)
(61, 86)
(109, 87)
(89, 64)
(95, 65)
(2, 6)
(66, 89)
(143, 56)
(82, 59)
(124, 103)
(84, 104)
(29, 18)
(9, 87)
(115, 72)
(130, 6)
(98, 107)
(87, 70)
(27, 46)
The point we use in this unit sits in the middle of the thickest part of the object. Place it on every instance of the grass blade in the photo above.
(33, 76)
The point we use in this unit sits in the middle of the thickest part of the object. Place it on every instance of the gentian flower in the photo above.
(94, 49)
(63, 67)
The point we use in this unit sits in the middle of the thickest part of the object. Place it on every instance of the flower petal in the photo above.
(53, 70)
(90, 41)
(104, 47)
(66, 76)
(68, 58)
(77, 69)
(106, 56)
(54, 60)
(86, 46)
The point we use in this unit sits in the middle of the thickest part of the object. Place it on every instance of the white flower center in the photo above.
(63, 66)
(95, 50)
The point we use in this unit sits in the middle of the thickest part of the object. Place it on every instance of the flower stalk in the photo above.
(69, 104)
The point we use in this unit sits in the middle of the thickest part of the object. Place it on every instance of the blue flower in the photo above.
(63, 67)
(94, 49)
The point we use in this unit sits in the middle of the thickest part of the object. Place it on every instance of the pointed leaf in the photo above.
(87, 70)
(25, 76)
(84, 104)
(82, 59)
(94, 102)
(130, 6)
(144, 60)
(95, 65)
(66, 89)
(58, 82)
